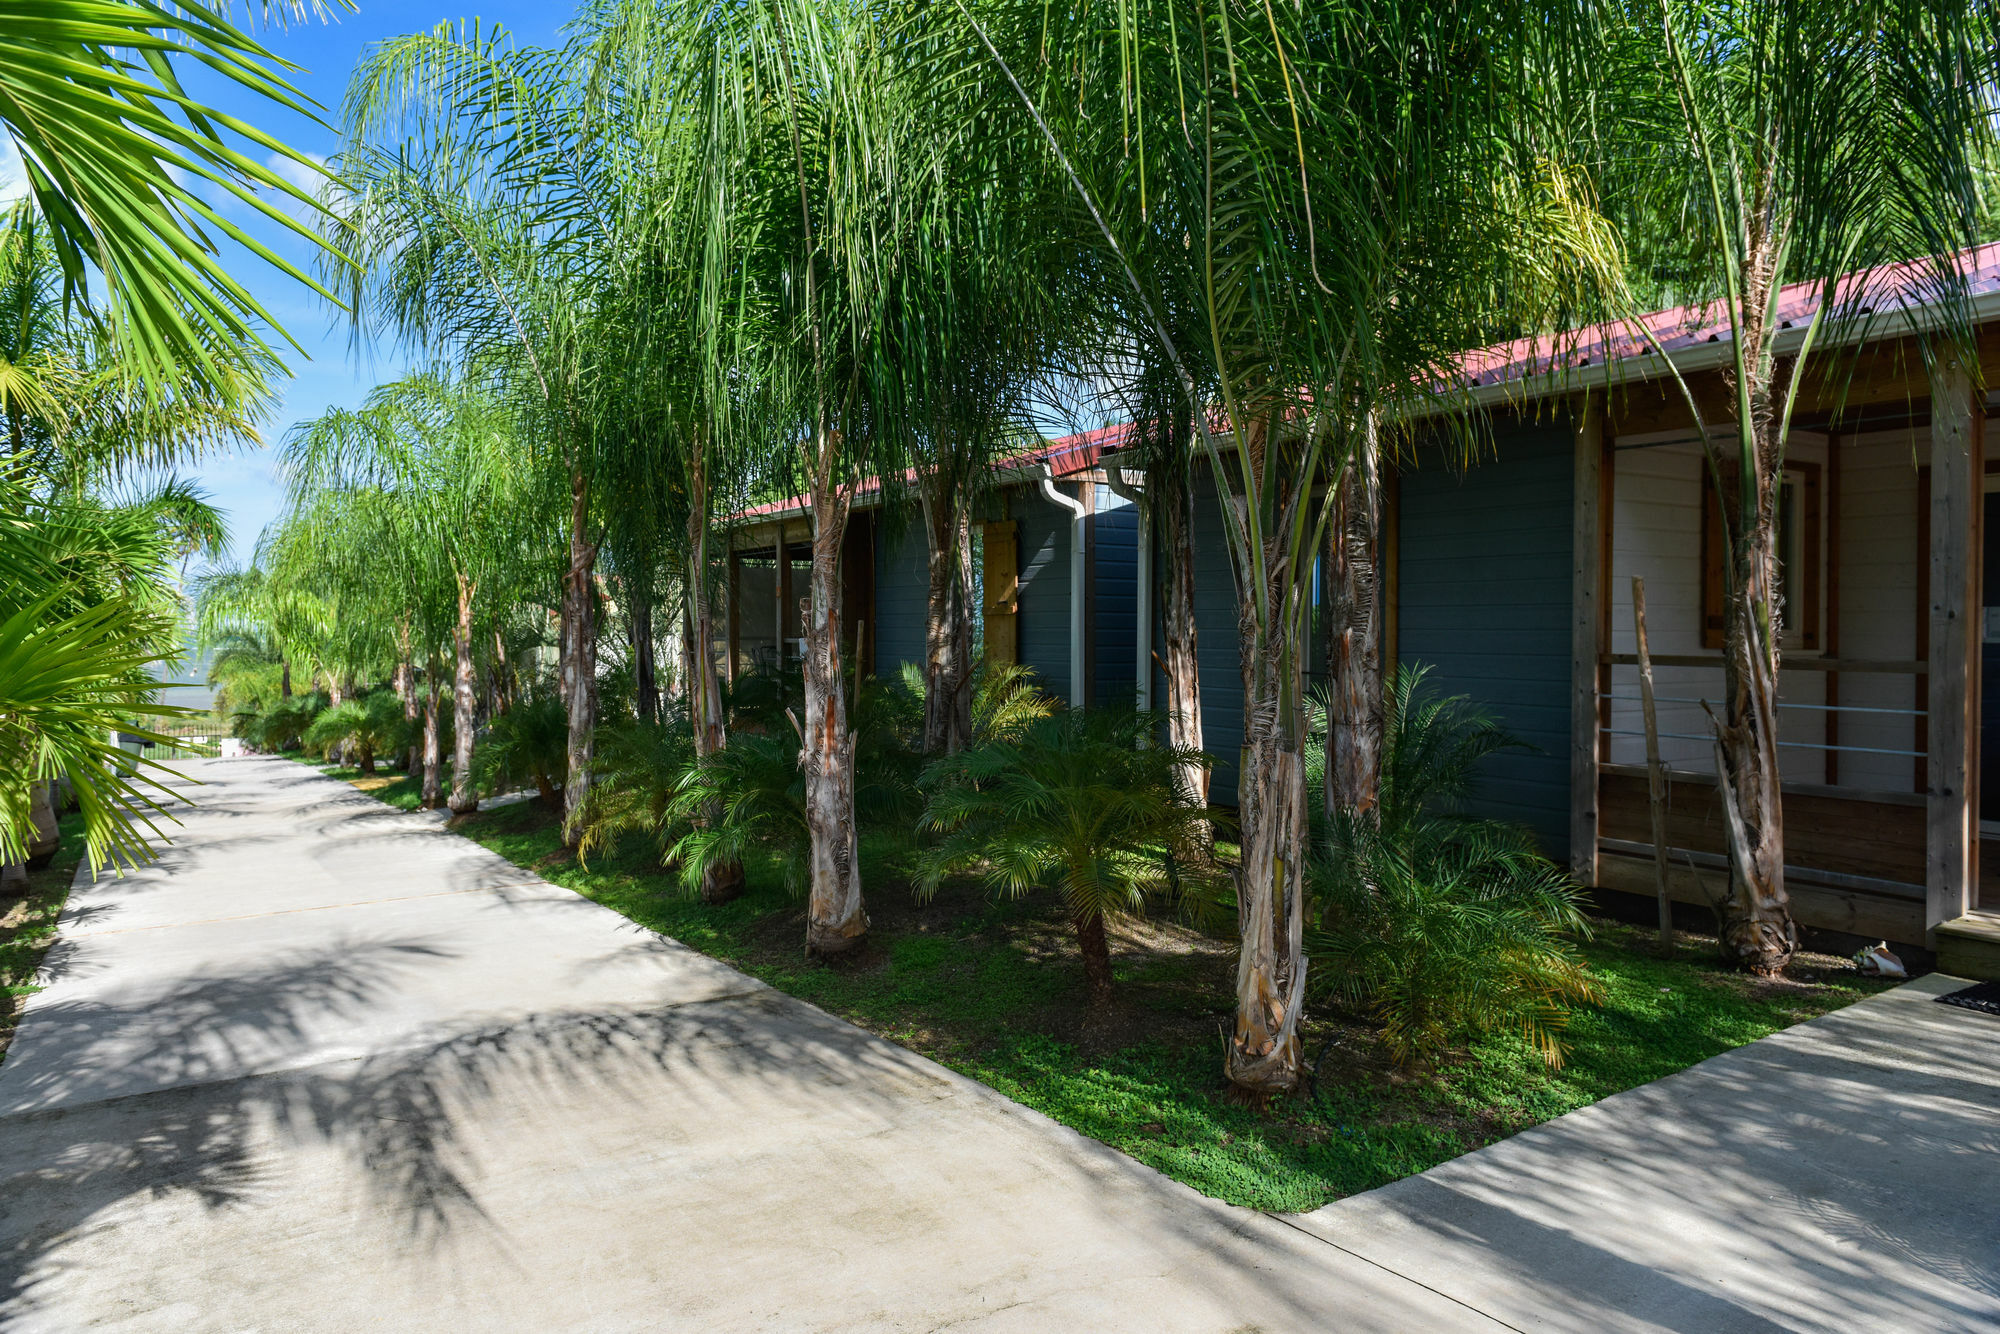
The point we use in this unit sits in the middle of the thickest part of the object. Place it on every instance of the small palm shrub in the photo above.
(529, 743)
(370, 726)
(1006, 699)
(1441, 925)
(282, 725)
(1078, 801)
(751, 794)
(637, 771)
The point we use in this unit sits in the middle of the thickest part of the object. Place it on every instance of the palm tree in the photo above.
(88, 609)
(1080, 802)
(1440, 924)
(440, 451)
(1768, 142)
(1334, 284)
(117, 155)
(799, 93)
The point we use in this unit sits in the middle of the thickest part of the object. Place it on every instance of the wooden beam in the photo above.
(1951, 844)
(786, 614)
(1830, 643)
(735, 605)
(1589, 524)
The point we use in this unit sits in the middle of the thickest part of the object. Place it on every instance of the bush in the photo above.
(637, 771)
(751, 794)
(529, 743)
(372, 725)
(282, 725)
(1440, 925)
(1080, 801)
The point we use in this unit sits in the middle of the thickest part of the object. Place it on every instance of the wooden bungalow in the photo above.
(1056, 559)
(1512, 580)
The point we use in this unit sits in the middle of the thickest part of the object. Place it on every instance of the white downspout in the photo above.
(1077, 512)
(1135, 491)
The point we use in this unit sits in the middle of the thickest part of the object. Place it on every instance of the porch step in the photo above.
(1969, 946)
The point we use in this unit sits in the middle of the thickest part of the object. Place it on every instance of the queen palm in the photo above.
(439, 451)
(1771, 142)
(800, 138)
(1336, 228)
(509, 211)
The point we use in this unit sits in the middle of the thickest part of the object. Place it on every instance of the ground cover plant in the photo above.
(994, 988)
(28, 923)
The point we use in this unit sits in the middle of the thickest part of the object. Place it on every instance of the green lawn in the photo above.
(398, 789)
(28, 925)
(993, 989)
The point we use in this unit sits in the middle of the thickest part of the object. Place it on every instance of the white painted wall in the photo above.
(1878, 601)
(1656, 534)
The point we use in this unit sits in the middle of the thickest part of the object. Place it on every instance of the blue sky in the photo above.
(331, 372)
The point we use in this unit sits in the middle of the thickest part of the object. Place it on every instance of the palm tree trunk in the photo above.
(720, 881)
(1263, 1056)
(1173, 499)
(646, 684)
(433, 758)
(835, 919)
(284, 678)
(1354, 650)
(579, 636)
(1096, 953)
(406, 691)
(1757, 929)
(465, 702)
(947, 623)
(1271, 805)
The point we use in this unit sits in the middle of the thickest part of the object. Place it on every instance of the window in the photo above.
(1801, 561)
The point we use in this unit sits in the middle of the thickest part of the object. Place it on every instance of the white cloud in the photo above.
(298, 174)
(13, 180)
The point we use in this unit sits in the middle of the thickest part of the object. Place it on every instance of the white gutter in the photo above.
(1078, 511)
(1135, 491)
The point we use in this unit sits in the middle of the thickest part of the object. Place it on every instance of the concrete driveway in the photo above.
(326, 1067)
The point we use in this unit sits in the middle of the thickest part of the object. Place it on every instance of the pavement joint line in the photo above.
(322, 907)
(1293, 1224)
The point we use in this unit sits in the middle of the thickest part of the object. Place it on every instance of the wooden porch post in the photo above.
(1586, 591)
(783, 573)
(1951, 827)
(735, 594)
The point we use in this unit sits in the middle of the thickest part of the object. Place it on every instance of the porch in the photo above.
(1880, 703)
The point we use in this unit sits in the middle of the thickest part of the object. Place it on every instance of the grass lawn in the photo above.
(401, 790)
(993, 989)
(28, 925)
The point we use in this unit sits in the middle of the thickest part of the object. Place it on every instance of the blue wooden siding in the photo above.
(1484, 581)
(1217, 655)
(902, 592)
(1114, 576)
(1044, 536)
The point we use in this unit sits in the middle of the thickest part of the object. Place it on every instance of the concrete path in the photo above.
(327, 1068)
(1841, 1175)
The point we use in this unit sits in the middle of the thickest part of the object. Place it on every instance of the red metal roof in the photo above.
(1070, 454)
(1678, 330)
(1684, 328)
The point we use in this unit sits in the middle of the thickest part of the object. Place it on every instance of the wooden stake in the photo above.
(1656, 774)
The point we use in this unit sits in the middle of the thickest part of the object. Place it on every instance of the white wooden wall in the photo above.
(1656, 534)
(1878, 600)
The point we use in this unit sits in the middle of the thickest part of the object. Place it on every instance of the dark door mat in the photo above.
(1981, 996)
